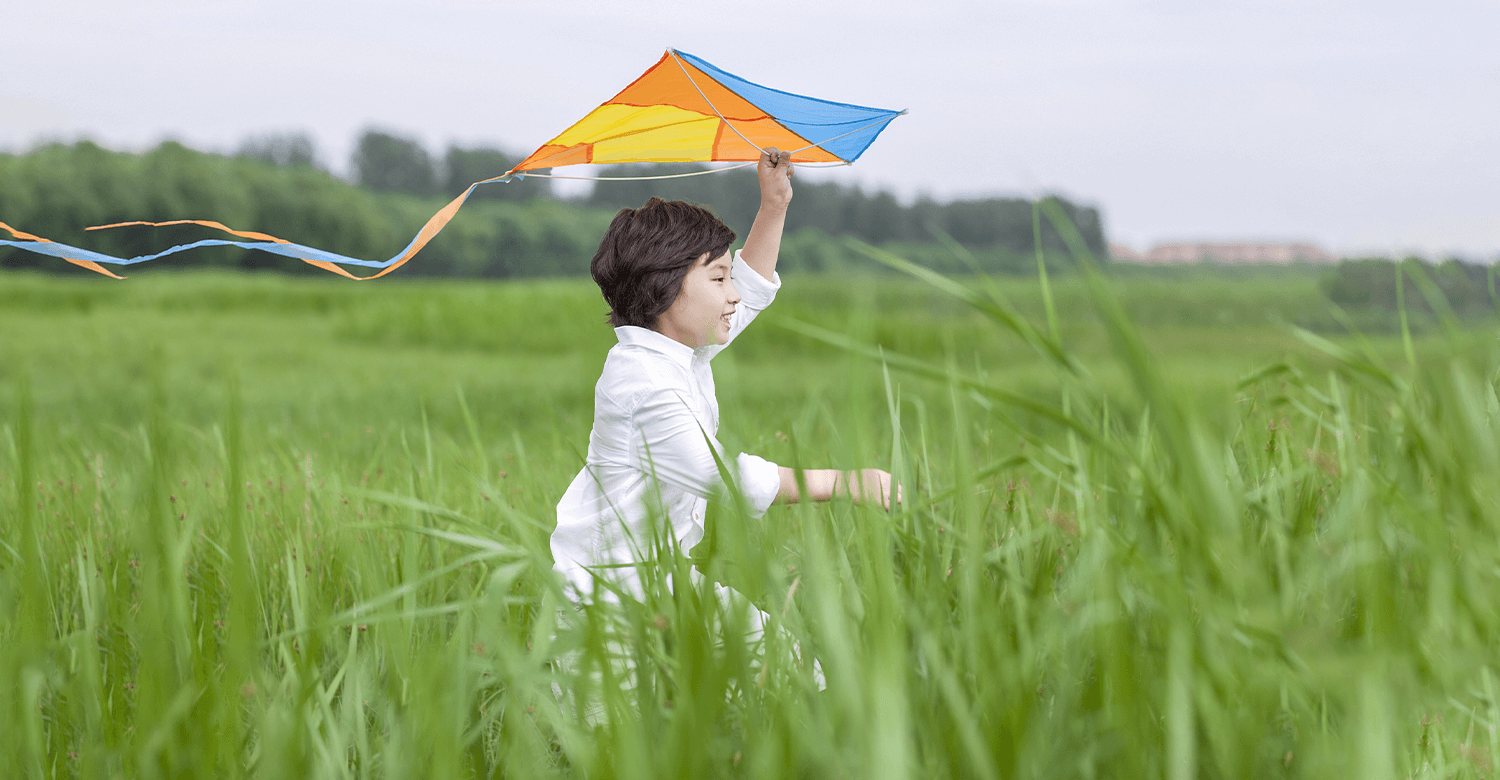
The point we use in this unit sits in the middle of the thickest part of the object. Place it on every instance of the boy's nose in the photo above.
(734, 294)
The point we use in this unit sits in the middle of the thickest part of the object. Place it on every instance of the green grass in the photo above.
(264, 527)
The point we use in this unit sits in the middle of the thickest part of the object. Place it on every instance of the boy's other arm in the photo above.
(866, 486)
(764, 242)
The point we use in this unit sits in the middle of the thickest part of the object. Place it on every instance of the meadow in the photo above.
(1157, 525)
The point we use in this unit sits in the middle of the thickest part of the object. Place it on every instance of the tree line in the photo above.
(876, 217)
(275, 184)
(1371, 284)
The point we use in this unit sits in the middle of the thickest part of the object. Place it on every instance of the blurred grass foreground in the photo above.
(271, 528)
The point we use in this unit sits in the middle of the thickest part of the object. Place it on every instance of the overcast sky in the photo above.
(1363, 126)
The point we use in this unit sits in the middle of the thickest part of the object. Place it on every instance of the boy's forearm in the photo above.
(863, 485)
(764, 242)
(774, 172)
(821, 484)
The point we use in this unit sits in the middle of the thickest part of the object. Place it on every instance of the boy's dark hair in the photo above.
(647, 252)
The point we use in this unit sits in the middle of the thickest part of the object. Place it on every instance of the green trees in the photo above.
(1369, 285)
(462, 167)
(391, 163)
(288, 149)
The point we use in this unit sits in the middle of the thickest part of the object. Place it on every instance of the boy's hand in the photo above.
(775, 174)
(872, 487)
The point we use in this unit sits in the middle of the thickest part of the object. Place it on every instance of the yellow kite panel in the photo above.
(682, 142)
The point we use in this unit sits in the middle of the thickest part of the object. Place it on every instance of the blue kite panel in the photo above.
(851, 128)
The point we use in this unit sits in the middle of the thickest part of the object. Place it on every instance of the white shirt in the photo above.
(655, 418)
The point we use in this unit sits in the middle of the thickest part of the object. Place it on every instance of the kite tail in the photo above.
(327, 261)
(44, 246)
(324, 264)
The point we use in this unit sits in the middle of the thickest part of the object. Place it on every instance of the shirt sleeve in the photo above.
(755, 290)
(756, 293)
(677, 450)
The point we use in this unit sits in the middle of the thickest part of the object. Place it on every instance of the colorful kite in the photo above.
(686, 110)
(681, 110)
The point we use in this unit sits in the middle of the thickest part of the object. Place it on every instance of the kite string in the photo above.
(819, 144)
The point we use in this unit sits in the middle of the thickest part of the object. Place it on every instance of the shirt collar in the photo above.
(650, 339)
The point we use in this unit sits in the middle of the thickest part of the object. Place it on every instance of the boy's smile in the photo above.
(700, 315)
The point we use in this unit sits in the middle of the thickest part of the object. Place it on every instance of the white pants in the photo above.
(585, 698)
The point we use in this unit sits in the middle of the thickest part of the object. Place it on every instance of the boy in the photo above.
(676, 299)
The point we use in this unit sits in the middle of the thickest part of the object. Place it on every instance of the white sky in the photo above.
(1366, 125)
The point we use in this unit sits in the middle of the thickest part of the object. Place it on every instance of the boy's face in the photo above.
(700, 315)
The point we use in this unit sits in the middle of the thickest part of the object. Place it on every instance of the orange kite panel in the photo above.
(730, 147)
(666, 84)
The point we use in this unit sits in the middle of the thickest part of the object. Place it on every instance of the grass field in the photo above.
(264, 527)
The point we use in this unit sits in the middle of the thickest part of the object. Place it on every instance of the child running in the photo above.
(677, 297)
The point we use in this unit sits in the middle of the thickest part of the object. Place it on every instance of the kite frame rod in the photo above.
(710, 103)
(725, 120)
(524, 174)
(841, 135)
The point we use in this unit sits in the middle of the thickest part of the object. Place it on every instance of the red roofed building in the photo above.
(1248, 252)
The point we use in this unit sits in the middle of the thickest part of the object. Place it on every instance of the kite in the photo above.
(680, 110)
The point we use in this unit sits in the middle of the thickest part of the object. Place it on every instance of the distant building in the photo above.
(1124, 254)
(1269, 253)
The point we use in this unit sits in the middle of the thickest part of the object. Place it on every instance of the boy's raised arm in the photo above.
(764, 242)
